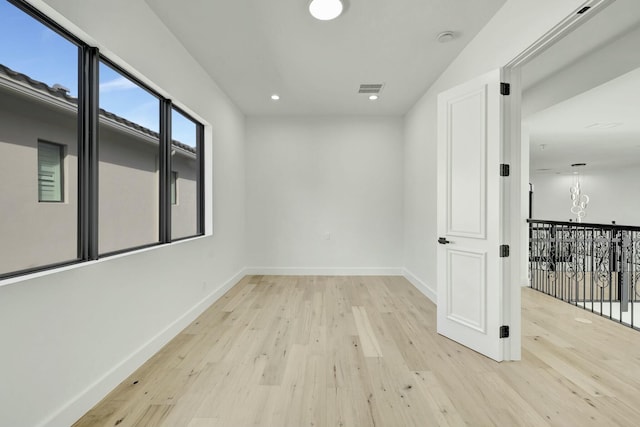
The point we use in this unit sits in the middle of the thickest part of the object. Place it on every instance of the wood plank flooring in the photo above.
(363, 351)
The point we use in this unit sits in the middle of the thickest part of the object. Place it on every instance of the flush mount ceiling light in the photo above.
(373, 97)
(325, 10)
(275, 97)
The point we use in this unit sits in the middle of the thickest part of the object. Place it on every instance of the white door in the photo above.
(469, 214)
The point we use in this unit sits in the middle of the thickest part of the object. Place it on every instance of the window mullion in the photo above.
(165, 171)
(200, 180)
(88, 153)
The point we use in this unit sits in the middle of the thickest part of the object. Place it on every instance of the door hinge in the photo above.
(504, 251)
(504, 331)
(505, 89)
(504, 169)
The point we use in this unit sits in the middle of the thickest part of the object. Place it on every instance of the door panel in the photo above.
(466, 146)
(469, 214)
(467, 289)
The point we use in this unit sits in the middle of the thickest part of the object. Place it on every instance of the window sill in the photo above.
(82, 264)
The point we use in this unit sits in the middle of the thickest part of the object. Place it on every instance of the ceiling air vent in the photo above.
(371, 88)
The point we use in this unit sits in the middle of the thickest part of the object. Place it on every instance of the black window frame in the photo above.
(162, 238)
(89, 59)
(200, 174)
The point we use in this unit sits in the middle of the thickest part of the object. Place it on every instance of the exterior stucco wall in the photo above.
(39, 233)
(128, 191)
(183, 213)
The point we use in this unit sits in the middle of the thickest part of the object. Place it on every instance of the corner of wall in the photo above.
(424, 288)
(324, 271)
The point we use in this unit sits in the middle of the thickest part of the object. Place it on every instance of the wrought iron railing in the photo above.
(593, 266)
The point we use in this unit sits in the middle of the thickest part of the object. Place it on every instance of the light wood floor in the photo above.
(363, 351)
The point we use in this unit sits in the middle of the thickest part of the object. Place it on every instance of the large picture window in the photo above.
(129, 152)
(38, 106)
(89, 148)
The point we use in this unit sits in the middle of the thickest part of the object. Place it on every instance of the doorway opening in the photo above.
(580, 157)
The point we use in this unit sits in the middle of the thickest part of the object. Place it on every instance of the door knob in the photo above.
(443, 241)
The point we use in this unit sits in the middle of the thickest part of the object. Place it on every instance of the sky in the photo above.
(31, 48)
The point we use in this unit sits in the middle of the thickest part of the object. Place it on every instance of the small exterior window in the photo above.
(174, 188)
(50, 172)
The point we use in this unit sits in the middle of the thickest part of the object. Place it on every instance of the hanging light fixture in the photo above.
(325, 10)
(579, 201)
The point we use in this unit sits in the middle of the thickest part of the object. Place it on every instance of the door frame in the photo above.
(516, 189)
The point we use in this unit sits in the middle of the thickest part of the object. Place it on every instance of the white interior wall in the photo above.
(324, 194)
(69, 337)
(614, 196)
(516, 26)
(524, 202)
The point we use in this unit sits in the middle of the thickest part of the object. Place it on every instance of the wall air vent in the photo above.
(371, 88)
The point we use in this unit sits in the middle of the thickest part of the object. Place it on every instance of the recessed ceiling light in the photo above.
(373, 97)
(445, 36)
(325, 10)
(275, 97)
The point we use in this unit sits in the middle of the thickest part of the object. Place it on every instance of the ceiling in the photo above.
(600, 30)
(600, 127)
(254, 49)
(581, 99)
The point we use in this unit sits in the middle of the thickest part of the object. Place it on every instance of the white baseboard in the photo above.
(324, 271)
(351, 271)
(425, 289)
(78, 406)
